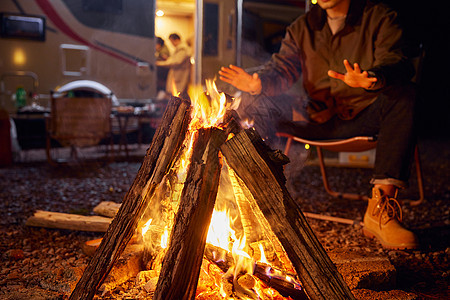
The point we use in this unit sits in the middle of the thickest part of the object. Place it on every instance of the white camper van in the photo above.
(101, 45)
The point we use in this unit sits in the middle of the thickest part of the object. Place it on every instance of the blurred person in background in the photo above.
(162, 53)
(179, 65)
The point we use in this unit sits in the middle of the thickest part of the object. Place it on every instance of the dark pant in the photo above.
(390, 118)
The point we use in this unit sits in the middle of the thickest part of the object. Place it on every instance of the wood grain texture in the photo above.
(159, 158)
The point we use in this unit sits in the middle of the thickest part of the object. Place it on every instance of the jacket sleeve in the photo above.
(177, 58)
(391, 64)
(284, 68)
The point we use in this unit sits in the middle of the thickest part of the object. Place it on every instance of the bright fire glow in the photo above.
(208, 110)
(247, 123)
(263, 256)
(175, 92)
(209, 106)
(222, 235)
(220, 232)
(146, 226)
(165, 238)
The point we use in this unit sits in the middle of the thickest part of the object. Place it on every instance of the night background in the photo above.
(428, 24)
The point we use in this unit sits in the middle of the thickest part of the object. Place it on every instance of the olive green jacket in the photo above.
(371, 37)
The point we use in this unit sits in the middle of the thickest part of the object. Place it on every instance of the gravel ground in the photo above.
(38, 263)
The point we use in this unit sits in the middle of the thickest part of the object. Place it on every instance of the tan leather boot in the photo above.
(383, 219)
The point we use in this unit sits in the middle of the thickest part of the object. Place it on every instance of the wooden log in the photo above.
(247, 154)
(127, 266)
(284, 262)
(160, 156)
(107, 209)
(181, 265)
(252, 228)
(59, 220)
(274, 278)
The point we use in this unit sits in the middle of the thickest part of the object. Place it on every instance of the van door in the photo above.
(219, 36)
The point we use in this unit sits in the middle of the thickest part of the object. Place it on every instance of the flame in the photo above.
(208, 109)
(243, 261)
(209, 106)
(220, 232)
(175, 92)
(263, 255)
(146, 227)
(247, 123)
(165, 238)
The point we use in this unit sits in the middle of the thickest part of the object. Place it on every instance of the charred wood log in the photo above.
(159, 158)
(248, 156)
(277, 249)
(181, 265)
(272, 277)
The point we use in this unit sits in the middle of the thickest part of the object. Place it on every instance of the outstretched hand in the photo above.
(354, 76)
(241, 80)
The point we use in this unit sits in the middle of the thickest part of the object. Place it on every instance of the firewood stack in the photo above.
(268, 215)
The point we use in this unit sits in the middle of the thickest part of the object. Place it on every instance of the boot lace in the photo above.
(390, 207)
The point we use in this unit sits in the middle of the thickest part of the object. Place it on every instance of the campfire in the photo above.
(210, 206)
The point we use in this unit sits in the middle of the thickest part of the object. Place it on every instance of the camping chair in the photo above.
(354, 144)
(78, 122)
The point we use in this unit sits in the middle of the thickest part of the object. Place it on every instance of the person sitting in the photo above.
(355, 76)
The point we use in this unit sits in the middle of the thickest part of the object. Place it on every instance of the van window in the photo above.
(135, 17)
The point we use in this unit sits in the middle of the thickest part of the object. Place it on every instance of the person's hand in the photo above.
(354, 76)
(241, 80)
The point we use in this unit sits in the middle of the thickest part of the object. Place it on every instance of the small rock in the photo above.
(150, 286)
(16, 254)
(13, 275)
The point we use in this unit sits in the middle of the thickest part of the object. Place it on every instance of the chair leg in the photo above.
(419, 178)
(287, 148)
(326, 185)
(111, 146)
(48, 147)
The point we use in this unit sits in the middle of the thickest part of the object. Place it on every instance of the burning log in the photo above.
(276, 279)
(277, 249)
(248, 156)
(181, 265)
(261, 194)
(159, 158)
